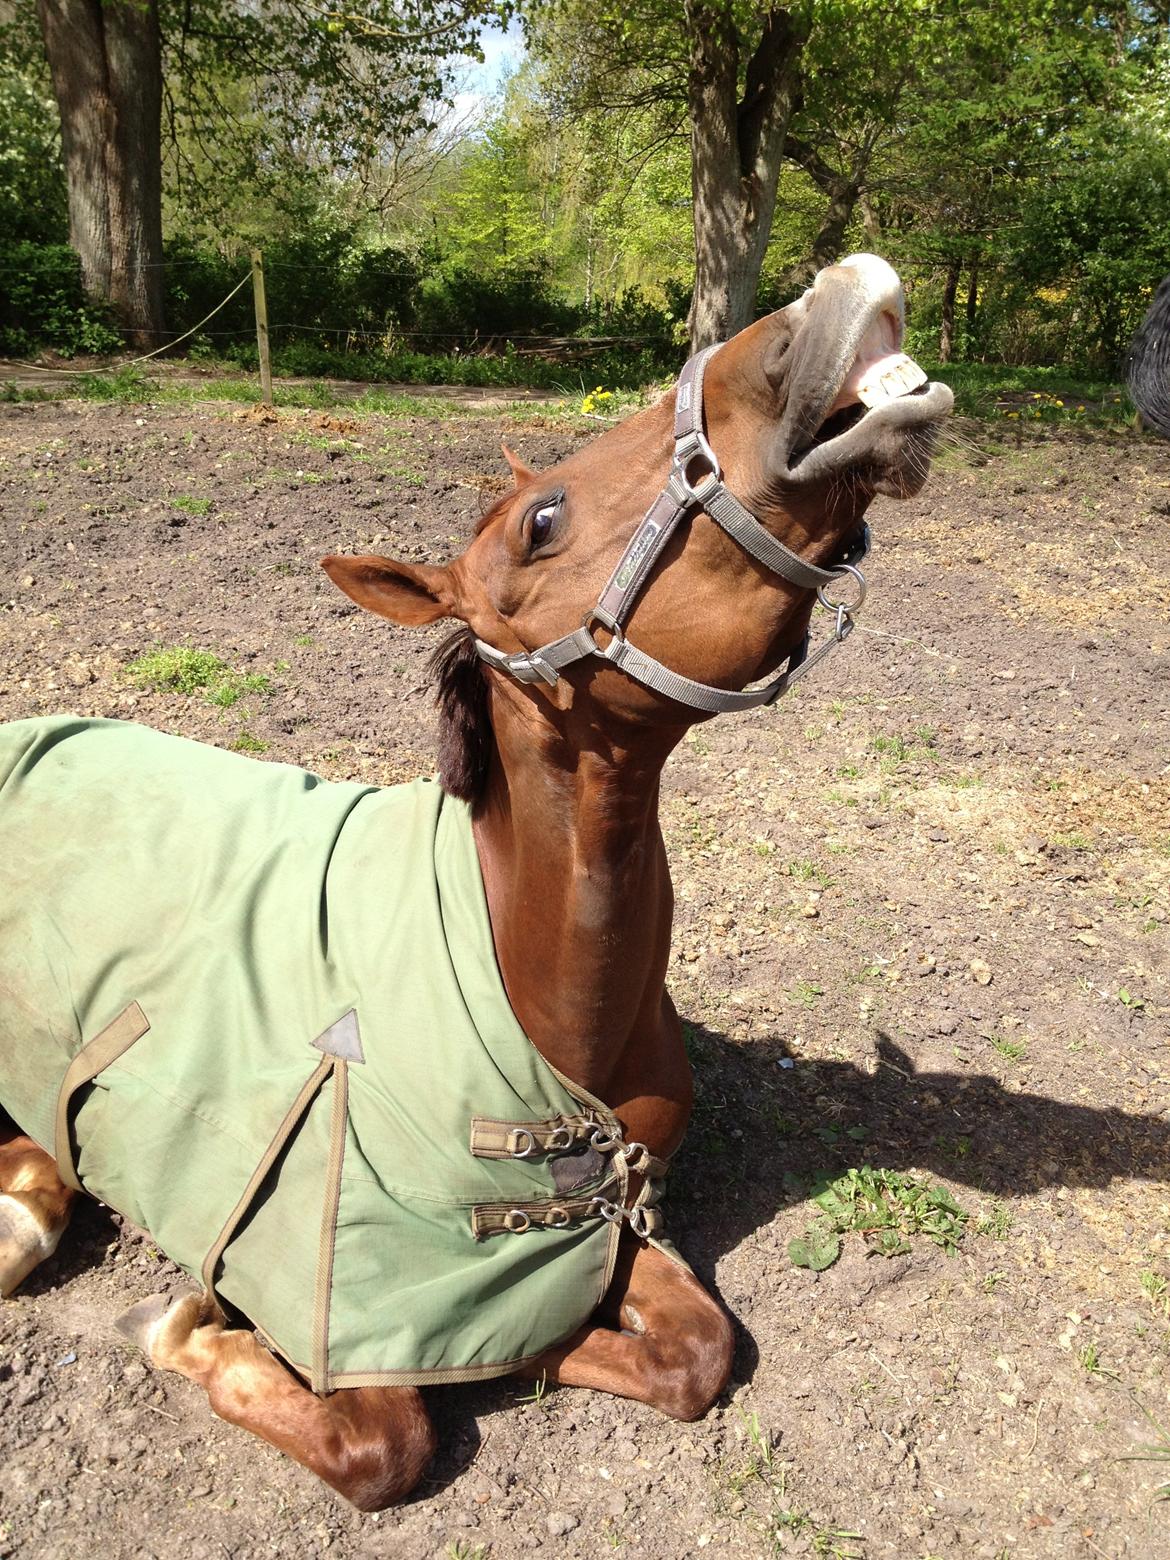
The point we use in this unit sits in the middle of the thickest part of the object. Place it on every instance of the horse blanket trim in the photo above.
(209, 920)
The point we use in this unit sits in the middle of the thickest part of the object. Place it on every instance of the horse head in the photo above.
(802, 418)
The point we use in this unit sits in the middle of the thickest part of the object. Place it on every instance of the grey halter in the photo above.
(682, 496)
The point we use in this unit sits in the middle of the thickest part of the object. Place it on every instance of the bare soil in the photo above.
(936, 882)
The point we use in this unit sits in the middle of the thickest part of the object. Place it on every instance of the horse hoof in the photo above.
(24, 1242)
(141, 1321)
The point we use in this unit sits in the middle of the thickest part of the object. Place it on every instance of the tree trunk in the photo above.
(106, 66)
(736, 153)
(972, 308)
(844, 191)
(830, 240)
(946, 339)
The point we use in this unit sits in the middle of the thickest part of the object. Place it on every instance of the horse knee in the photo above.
(378, 1463)
(694, 1371)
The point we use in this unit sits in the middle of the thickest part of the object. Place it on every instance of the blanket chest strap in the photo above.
(94, 1057)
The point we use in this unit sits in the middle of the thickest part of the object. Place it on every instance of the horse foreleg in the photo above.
(372, 1444)
(34, 1207)
(668, 1343)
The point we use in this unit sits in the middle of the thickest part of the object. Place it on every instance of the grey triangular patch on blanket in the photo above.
(343, 1039)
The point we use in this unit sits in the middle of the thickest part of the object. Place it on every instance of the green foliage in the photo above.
(127, 385)
(32, 185)
(42, 302)
(886, 1207)
(180, 669)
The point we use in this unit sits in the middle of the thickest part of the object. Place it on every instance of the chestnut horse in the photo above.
(557, 735)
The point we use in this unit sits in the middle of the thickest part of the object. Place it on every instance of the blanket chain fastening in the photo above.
(696, 482)
(504, 1140)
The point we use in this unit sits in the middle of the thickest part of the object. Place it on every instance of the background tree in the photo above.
(241, 84)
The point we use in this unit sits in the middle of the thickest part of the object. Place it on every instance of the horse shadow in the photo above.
(762, 1131)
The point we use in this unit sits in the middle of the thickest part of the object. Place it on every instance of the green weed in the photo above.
(996, 1222)
(193, 506)
(807, 872)
(1010, 1050)
(886, 1207)
(247, 743)
(1156, 1290)
(181, 669)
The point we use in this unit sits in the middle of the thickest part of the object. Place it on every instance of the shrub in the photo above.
(43, 304)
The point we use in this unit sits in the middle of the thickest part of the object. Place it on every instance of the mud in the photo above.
(922, 925)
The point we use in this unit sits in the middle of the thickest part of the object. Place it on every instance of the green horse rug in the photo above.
(259, 1014)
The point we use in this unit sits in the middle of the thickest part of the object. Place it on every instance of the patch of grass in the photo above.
(1156, 1290)
(996, 1221)
(807, 993)
(193, 506)
(1089, 1358)
(1075, 840)
(128, 385)
(247, 743)
(886, 1207)
(807, 872)
(896, 750)
(1010, 1050)
(181, 669)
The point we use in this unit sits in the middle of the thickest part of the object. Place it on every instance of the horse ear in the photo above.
(407, 593)
(521, 473)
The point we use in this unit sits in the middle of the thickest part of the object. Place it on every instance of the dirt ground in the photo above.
(922, 925)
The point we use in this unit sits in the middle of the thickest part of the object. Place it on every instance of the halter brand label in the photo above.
(639, 547)
(683, 398)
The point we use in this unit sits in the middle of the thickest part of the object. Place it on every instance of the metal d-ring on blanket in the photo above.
(643, 1215)
(683, 495)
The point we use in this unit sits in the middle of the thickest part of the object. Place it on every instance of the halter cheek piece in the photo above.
(685, 494)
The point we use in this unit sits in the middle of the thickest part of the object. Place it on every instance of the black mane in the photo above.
(466, 741)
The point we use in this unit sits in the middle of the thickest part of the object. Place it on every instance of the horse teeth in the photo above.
(892, 379)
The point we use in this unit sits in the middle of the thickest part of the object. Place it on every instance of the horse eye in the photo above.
(543, 521)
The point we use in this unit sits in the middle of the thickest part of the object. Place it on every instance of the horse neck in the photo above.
(581, 904)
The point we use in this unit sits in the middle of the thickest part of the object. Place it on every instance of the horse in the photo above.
(1147, 364)
(591, 632)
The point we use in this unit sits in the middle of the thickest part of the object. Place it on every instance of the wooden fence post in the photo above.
(262, 326)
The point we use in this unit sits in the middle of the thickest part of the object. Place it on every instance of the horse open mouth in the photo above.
(846, 418)
(854, 395)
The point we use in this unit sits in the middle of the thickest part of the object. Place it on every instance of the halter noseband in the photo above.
(682, 496)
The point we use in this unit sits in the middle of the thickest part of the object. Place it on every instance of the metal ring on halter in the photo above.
(559, 1139)
(557, 1218)
(686, 452)
(596, 615)
(631, 1151)
(517, 1221)
(850, 606)
(518, 1134)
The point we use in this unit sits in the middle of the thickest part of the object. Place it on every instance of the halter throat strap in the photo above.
(695, 483)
